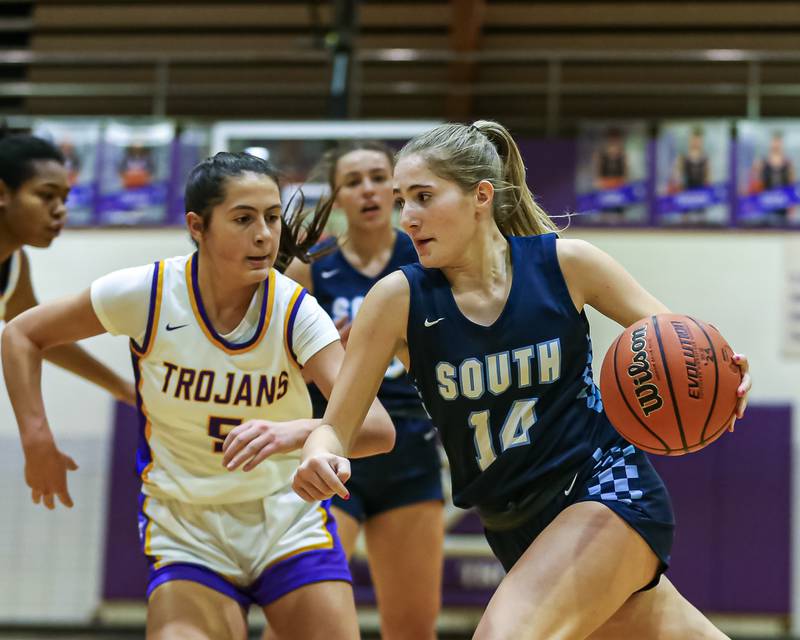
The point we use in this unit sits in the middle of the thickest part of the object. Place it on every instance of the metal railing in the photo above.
(751, 87)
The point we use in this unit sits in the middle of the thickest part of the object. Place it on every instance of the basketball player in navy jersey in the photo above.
(610, 166)
(491, 326)
(34, 184)
(775, 171)
(395, 497)
(692, 171)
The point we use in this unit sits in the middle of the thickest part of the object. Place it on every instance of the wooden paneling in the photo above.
(658, 15)
(485, 89)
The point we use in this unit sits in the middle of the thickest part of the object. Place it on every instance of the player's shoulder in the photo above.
(573, 251)
(392, 288)
(285, 288)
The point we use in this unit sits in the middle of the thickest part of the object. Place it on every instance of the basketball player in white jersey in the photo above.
(33, 191)
(218, 340)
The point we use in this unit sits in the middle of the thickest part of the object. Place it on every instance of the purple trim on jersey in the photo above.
(309, 567)
(199, 574)
(290, 325)
(151, 311)
(144, 456)
(143, 521)
(201, 308)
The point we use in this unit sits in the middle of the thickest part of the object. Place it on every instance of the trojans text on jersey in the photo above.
(232, 387)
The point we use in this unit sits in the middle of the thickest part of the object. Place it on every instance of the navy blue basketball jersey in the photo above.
(341, 289)
(515, 403)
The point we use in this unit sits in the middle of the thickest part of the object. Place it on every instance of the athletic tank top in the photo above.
(340, 289)
(515, 402)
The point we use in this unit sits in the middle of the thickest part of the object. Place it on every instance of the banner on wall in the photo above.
(191, 147)
(693, 173)
(135, 173)
(767, 159)
(611, 173)
(79, 141)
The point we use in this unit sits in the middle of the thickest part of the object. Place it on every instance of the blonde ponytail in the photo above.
(485, 150)
(517, 213)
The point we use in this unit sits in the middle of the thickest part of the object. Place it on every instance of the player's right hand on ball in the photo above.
(46, 474)
(321, 476)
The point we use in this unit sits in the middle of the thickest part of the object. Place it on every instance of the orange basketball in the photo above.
(669, 384)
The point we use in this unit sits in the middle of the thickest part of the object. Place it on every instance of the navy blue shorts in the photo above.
(620, 477)
(410, 473)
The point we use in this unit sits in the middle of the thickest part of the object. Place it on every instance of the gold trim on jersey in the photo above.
(322, 545)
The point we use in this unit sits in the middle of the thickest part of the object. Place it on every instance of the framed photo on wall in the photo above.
(767, 161)
(611, 173)
(693, 173)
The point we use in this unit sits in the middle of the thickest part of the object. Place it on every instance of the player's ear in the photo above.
(484, 193)
(195, 225)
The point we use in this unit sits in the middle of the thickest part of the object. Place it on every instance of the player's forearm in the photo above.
(324, 439)
(375, 436)
(76, 360)
(22, 369)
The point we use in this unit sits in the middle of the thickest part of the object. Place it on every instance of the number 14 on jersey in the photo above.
(514, 432)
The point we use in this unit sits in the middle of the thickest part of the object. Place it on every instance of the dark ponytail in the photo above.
(300, 230)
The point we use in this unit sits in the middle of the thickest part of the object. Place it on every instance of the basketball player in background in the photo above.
(34, 184)
(491, 325)
(692, 171)
(396, 497)
(217, 339)
(610, 168)
(137, 166)
(774, 171)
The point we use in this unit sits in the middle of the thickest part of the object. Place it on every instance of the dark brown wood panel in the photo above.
(659, 15)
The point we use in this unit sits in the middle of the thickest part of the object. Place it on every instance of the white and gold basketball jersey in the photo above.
(194, 386)
(9, 277)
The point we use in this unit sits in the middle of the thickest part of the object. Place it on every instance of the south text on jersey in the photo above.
(496, 372)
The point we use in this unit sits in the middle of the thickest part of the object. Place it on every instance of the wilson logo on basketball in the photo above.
(647, 393)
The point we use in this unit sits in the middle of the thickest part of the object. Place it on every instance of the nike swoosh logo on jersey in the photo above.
(329, 274)
(430, 323)
(177, 326)
(429, 435)
(571, 484)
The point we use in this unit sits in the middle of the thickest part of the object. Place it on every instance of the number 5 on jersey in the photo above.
(514, 432)
(219, 428)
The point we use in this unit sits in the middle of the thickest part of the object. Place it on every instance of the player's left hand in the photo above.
(254, 441)
(744, 387)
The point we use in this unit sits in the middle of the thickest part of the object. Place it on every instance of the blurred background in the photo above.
(671, 130)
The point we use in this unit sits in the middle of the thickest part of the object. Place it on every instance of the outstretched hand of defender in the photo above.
(254, 441)
(744, 387)
(46, 474)
(321, 476)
